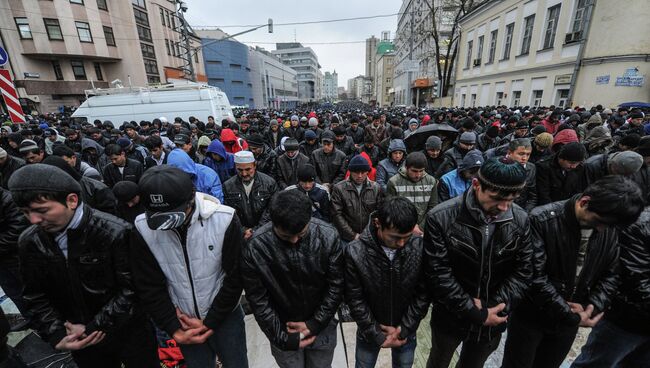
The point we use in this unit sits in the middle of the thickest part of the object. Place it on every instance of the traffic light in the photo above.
(270, 25)
(436, 88)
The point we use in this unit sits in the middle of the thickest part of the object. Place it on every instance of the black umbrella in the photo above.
(416, 140)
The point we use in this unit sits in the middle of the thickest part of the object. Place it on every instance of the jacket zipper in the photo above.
(391, 292)
(580, 276)
(487, 286)
(186, 258)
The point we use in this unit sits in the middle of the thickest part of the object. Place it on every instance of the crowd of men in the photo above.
(530, 220)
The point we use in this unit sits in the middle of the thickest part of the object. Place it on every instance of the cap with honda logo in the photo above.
(165, 192)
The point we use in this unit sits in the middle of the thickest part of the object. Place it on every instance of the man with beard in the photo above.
(249, 193)
(264, 156)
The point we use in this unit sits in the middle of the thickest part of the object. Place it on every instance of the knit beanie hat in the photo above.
(358, 164)
(573, 151)
(503, 174)
(492, 131)
(539, 129)
(468, 137)
(291, 144)
(306, 173)
(433, 143)
(125, 190)
(544, 140)
(43, 178)
(255, 140)
(472, 159)
(624, 163)
(27, 145)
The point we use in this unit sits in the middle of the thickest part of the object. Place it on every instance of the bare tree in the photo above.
(445, 31)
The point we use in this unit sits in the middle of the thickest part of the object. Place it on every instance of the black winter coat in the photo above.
(266, 161)
(357, 135)
(12, 223)
(556, 243)
(93, 286)
(286, 169)
(12, 164)
(528, 197)
(452, 157)
(631, 305)
(346, 145)
(460, 265)
(98, 195)
(252, 210)
(553, 185)
(330, 167)
(268, 138)
(132, 172)
(301, 282)
(384, 292)
(351, 210)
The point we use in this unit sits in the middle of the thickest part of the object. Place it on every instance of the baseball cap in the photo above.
(165, 192)
(181, 139)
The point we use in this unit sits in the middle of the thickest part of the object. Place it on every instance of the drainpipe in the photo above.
(581, 52)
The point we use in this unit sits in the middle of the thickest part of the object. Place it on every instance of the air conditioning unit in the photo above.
(573, 37)
(477, 62)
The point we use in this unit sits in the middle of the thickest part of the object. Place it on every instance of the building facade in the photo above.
(58, 49)
(330, 86)
(552, 52)
(384, 80)
(275, 85)
(371, 56)
(305, 62)
(227, 67)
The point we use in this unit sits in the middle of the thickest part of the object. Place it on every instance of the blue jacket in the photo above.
(205, 179)
(225, 168)
(452, 185)
(387, 168)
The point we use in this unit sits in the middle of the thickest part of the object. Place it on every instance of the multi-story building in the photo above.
(541, 53)
(330, 86)
(227, 66)
(384, 79)
(305, 62)
(360, 88)
(57, 49)
(371, 56)
(274, 84)
(416, 58)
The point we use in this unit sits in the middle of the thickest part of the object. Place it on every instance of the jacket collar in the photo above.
(472, 209)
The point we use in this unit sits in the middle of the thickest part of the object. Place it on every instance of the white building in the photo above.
(330, 86)
(274, 84)
(305, 62)
(552, 52)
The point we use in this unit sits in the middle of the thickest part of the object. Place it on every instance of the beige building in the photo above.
(57, 49)
(384, 79)
(553, 52)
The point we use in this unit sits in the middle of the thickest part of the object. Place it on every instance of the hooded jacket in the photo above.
(205, 179)
(387, 168)
(199, 274)
(423, 194)
(563, 137)
(224, 168)
(227, 135)
(97, 160)
(384, 292)
(372, 175)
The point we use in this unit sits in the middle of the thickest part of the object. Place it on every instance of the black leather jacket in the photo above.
(528, 197)
(132, 172)
(330, 167)
(556, 242)
(92, 286)
(98, 195)
(12, 223)
(553, 185)
(461, 265)
(297, 283)
(381, 291)
(631, 305)
(252, 210)
(286, 169)
(266, 161)
(11, 164)
(351, 210)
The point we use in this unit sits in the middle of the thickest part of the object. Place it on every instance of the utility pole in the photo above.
(185, 30)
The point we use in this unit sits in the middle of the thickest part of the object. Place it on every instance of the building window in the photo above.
(507, 45)
(169, 52)
(551, 26)
(23, 28)
(238, 82)
(493, 45)
(469, 54)
(579, 18)
(499, 99)
(110, 38)
(78, 69)
(162, 16)
(479, 50)
(473, 99)
(58, 73)
(169, 19)
(147, 51)
(178, 49)
(537, 97)
(235, 66)
(150, 66)
(529, 22)
(144, 33)
(173, 20)
(101, 5)
(516, 98)
(77, 1)
(562, 95)
(462, 100)
(139, 3)
(98, 71)
(53, 29)
(151, 79)
(83, 30)
(196, 57)
(141, 17)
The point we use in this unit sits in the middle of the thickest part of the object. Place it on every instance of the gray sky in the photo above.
(347, 59)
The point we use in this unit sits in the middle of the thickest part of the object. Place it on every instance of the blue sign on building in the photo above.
(4, 57)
